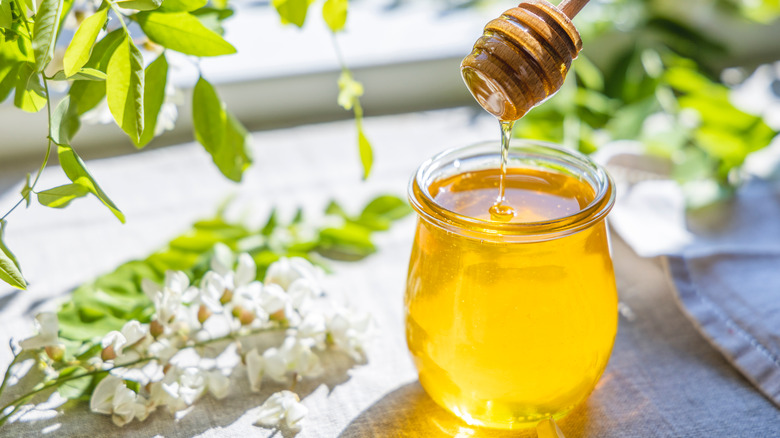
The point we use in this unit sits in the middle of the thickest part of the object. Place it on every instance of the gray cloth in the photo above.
(663, 379)
(728, 283)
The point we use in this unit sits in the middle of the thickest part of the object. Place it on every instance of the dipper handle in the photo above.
(570, 8)
(522, 57)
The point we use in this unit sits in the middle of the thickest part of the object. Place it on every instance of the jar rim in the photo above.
(538, 152)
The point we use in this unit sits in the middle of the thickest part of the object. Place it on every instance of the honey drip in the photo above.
(500, 211)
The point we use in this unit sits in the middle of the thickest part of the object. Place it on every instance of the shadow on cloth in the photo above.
(409, 412)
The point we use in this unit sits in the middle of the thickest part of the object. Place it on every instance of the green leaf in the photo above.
(74, 389)
(87, 94)
(6, 18)
(270, 224)
(45, 32)
(85, 74)
(212, 18)
(30, 95)
(10, 272)
(182, 32)
(182, 5)
(60, 197)
(64, 122)
(292, 11)
(364, 147)
(11, 58)
(335, 14)
(155, 78)
(26, 190)
(220, 133)
(208, 116)
(141, 5)
(77, 172)
(80, 48)
(235, 154)
(387, 206)
(125, 89)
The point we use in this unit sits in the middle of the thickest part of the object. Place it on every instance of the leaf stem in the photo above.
(48, 136)
(61, 380)
(119, 15)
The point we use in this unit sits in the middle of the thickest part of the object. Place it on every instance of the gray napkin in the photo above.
(728, 282)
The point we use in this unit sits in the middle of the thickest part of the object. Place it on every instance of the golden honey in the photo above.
(510, 322)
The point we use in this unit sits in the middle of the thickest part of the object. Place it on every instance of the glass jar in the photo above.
(510, 323)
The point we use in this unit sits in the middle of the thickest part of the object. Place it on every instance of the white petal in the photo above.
(47, 326)
(133, 332)
(254, 369)
(275, 364)
(103, 395)
(273, 298)
(218, 384)
(246, 270)
(222, 262)
(114, 339)
(295, 413)
(150, 288)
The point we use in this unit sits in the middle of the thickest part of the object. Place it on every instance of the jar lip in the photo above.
(427, 207)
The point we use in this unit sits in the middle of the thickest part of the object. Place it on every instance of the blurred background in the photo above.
(695, 83)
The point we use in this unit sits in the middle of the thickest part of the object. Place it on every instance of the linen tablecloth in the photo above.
(663, 379)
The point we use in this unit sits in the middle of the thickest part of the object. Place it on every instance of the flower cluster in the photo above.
(157, 364)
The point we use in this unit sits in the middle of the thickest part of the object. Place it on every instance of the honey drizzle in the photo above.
(500, 211)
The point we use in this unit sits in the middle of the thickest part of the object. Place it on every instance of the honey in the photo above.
(510, 322)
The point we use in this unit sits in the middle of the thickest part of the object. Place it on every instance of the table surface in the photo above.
(663, 379)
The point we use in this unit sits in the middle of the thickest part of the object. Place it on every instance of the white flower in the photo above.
(349, 331)
(212, 287)
(48, 327)
(217, 383)
(282, 406)
(168, 299)
(254, 369)
(302, 291)
(183, 386)
(286, 270)
(113, 397)
(144, 373)
(132, 333)
(273, 298)
(294, 356)
(313, 327)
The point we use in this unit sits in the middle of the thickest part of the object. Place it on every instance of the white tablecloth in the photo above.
(663, 379)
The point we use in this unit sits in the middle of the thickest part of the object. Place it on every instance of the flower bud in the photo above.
(226, 297)
(108, 353)
(203, 314)
(279, 315)
(156, 329)
(246, 317)
(55, 352)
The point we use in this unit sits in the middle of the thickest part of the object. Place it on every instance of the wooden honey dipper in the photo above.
(522, 57)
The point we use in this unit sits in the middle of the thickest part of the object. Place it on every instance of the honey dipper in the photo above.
(522, 57)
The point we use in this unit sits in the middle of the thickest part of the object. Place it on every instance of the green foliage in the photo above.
(77, 172)
(10, 272)
(334, 12)
(182, 5)
(141, 5)
(64, 122)
(125, 89)
(47, 22)
(220, 133)
(114, 298)
(30, 95)
(155, 79)
(292, 11)
(80, 48)
(98, 66)
(60, 197)
(183, 32)
(350, 91)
